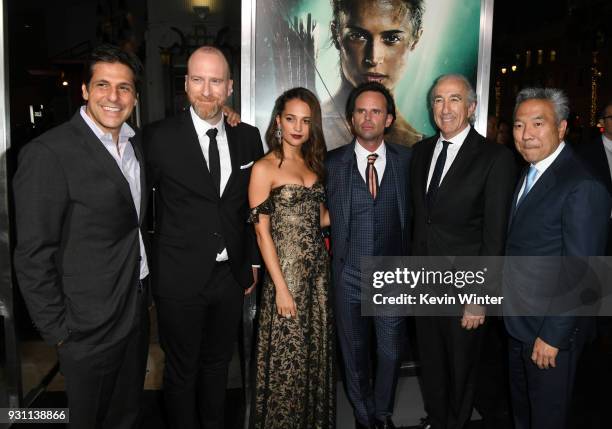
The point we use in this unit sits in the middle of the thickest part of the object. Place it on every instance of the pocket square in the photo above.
(245, 166)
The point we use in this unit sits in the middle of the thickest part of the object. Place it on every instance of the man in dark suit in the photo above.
(595, 385)
(461, 191)
(203, 251)
(559, 210)
(80, 198)
(597, 155)
(368, 195)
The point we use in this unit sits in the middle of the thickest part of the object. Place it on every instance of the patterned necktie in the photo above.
(214, 164)
(372, 175)
(529, 181)
(434, 184)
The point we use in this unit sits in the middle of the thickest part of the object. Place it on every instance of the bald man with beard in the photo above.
(204, 255)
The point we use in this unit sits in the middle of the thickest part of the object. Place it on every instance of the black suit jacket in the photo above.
(190, 215)
(77, 257)
(470, 214)
(593, 155)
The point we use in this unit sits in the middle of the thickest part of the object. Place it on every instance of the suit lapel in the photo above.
(428, 155)
(515, 197)
(464, 157)
(101, 156)
(135, 142)
(234, 150)
(346, 180)
(192, 158)
(544, 183)
(393, 163)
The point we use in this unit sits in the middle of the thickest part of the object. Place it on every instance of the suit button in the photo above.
(428, 221)
(139, 258)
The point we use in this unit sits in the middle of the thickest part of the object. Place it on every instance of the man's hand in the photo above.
(543, 354)
(473, 316)
(255, 278)
(233, 118)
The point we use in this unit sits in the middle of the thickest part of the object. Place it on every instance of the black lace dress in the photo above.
(295, 374)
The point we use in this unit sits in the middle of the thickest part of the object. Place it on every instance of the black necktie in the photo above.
(214, 165)
(430, 197)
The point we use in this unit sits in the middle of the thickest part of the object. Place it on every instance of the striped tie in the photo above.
(372, 175)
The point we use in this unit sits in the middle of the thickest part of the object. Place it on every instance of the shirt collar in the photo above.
(607, 142)
(201, 126)
(363, 153)
(125, 132)
(542, 165)
(457, 140)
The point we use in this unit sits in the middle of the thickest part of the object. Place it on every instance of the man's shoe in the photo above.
(387, 423)
(425, 423)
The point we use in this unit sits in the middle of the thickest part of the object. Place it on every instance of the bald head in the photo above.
(208, 83)
(208, 53)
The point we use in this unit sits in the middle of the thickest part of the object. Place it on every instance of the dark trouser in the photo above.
(449, 357)
(197, 335)
(593, 389)
(104, 382)
(492, 398)
(354, 333)
(541, 397)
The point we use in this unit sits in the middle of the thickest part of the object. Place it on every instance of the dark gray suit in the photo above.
(78, 263)
(362, 227)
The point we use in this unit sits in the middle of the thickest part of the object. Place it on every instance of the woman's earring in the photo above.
(278, 134)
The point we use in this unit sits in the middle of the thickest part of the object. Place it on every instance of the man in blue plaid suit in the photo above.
(368, 194)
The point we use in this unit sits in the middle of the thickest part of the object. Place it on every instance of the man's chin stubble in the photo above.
(207, 113)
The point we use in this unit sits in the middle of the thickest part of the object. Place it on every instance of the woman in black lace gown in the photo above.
(295, 379)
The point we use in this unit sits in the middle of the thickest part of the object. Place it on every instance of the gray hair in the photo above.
(471, 93)
(555, 96)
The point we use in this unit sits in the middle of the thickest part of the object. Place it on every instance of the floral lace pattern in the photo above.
(295, 379)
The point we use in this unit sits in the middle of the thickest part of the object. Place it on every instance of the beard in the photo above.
(206, 109)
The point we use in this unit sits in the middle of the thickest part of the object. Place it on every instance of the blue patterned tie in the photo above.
(529, 181)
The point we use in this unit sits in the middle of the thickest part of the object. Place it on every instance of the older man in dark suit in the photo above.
(203, 250)
(368, 196)
(461, 191)
(597, 155)
(559, 211)
(80, 199)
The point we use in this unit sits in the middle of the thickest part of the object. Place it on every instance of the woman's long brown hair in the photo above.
(314, 149)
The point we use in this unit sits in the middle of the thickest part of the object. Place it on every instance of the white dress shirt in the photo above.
(362, 153)
(201, 127)
(541, 167)
(451, 153)
(123, 154)
(225, 161)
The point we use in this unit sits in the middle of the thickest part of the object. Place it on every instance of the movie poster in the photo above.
(330, 46)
